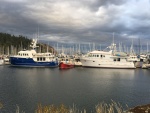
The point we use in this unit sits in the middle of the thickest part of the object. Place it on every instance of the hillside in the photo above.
(10, 44)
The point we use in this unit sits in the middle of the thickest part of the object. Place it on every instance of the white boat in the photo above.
(107, 59)
(77, 62)
(6, 60)
(137, 60)
(146, 60)
(1, 60)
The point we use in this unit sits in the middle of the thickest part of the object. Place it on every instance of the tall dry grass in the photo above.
(102, 107)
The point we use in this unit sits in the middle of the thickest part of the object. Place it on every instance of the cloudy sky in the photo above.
(77, 21)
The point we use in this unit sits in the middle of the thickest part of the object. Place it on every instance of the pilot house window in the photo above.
(118, 59)
(43, 59)
(40, 58)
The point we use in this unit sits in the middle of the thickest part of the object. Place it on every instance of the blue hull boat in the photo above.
(29, 62)
(30, 58)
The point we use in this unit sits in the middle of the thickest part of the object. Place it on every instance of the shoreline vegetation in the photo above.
(102, 107)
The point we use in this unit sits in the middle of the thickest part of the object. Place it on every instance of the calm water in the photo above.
(85, 87)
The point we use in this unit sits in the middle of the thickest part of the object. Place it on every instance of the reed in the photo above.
(114, 107)
(18, 110)
(1, 105)
(102, 107)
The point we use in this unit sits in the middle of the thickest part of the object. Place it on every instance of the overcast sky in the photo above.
(77, 21)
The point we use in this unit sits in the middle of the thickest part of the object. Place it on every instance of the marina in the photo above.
(74, 56)
(85, 80)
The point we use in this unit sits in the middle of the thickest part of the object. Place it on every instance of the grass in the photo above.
(103, 107)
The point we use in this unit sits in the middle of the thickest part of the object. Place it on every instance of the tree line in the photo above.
(11, 44)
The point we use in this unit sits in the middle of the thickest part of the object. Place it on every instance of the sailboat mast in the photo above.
(147, 47)
(113, 37)
(139, 47)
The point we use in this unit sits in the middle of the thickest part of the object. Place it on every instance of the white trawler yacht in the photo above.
(107, 59)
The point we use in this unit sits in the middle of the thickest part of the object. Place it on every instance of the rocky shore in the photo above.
(140, 109)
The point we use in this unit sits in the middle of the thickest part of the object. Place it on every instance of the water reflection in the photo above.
(85, 87)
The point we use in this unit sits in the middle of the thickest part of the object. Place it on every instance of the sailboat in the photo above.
(135, 58)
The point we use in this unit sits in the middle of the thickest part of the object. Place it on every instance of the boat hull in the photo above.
(65, 66)
(1, 61)
(138, 64)
(107, 64)
(29, 62)
(145, 66)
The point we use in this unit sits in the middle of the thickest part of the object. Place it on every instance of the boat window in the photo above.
(101, 55)
(97, 55)
(43, 59)
(114, 59)
(66, 59)
(40, 58)
(90, 55)
(37, 59)
(118, 59)
(141, 60)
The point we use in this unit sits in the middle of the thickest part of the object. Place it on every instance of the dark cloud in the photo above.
(95, 4)
(84, 21)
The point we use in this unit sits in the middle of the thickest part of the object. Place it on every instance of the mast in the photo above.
(139, 47)
(100, 47)
(47, 47)
(147, 47)
(79, 48)
(113, 38)
(90, 46)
